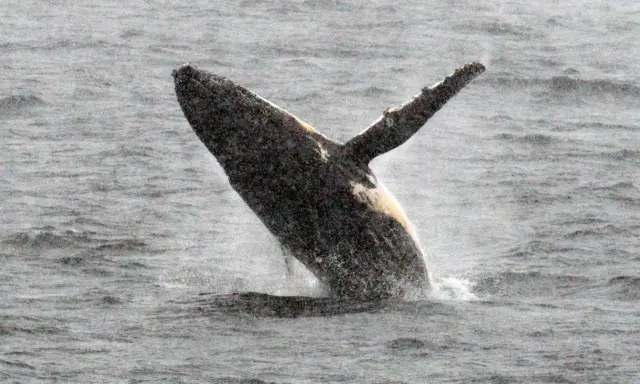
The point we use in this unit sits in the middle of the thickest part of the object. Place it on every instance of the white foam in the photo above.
(451, 289)
(300, 282)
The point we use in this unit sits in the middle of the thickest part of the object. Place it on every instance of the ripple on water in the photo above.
(529, 284)
(624, 287)
(404, 343)
(13, 104)
(48, 237)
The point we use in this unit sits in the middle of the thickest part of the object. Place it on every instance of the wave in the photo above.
(266, 305)
(51, 238)
(536, 248)
(501, 29)
(617, 187)
(565, 85)
(568, 84)
(530, 196)
(602, 231)
(623, 154)
(9, 330)
(312, 51)
(619, 288)
(568, 126)
(258, 304)
(18, 364)
(19, 102)
(64, 43)
(408, 343)
(608, 126)
(622, 190)
(371, 91)
(586, 219)
(234, 380)
(625, 193)
(624, 287)
(511, 283)
(537, 139)
(132, 33)
(121, 245)
(536, 284)
(303, 98)
(48, 237)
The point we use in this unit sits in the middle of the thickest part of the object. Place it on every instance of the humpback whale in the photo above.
(318, 197)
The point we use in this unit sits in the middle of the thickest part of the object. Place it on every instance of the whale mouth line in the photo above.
(201, 87)
(184, 80)
(185, 74)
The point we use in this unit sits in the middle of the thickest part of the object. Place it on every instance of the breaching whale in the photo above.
(318, 197)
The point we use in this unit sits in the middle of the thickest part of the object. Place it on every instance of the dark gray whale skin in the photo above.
(318, 197)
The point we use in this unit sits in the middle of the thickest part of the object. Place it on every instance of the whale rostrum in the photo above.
(318, 197)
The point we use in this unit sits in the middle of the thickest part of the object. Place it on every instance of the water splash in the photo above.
(487, 51)
(451, 289)
(300, 281)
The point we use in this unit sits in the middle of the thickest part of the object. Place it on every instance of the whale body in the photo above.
(318, 197)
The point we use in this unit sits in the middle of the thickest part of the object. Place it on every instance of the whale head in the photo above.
(215, 107)
(232, 121)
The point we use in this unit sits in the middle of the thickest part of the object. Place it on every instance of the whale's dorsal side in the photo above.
(397, 125)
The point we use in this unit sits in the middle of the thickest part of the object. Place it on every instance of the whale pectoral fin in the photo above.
(397, 125)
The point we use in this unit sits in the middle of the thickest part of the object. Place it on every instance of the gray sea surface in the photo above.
(125, 256)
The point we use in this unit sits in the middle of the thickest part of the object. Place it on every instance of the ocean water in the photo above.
(123, 249)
